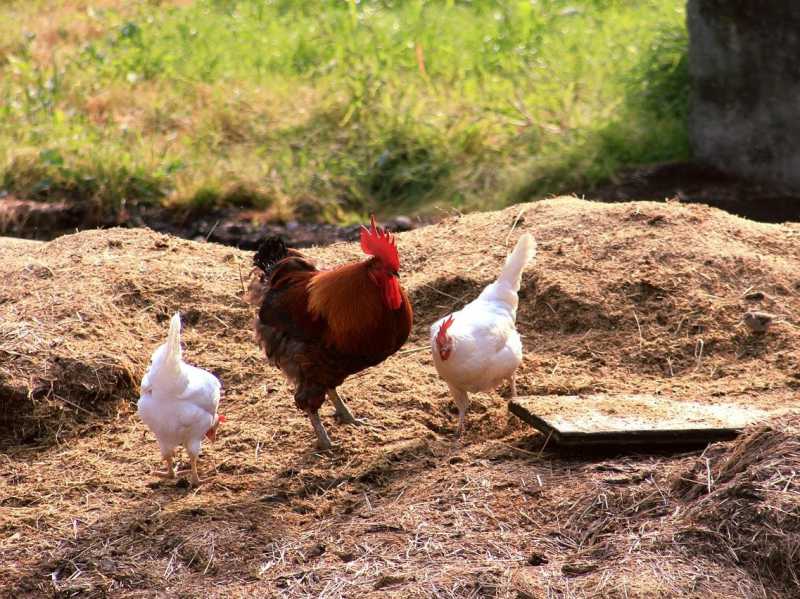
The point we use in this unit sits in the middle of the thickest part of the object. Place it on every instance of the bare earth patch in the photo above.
(623, 298)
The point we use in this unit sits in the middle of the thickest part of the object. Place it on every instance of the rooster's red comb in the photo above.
(377, 242)
(442, 333)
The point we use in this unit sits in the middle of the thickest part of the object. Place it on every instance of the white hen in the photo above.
(179, 402)
(478, 347)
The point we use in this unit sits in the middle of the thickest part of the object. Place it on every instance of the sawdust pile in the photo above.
(640, 297)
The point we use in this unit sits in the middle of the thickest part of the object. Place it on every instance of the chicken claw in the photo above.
(343, 413)
(169, 472)
(323, 440)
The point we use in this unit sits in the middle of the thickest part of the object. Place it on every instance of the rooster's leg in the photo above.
(323, 440)
(342, 413)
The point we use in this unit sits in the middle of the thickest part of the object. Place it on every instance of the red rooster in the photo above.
(319, 327)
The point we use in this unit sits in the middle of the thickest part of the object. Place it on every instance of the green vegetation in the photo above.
(329, 108)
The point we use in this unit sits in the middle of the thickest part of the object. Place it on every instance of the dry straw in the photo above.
(617, 301)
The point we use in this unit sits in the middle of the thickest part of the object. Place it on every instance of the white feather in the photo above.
(178, 402)
(486, 348)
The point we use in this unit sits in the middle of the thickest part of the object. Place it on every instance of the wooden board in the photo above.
(627, 420)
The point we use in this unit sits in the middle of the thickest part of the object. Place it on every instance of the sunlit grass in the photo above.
(332, 108)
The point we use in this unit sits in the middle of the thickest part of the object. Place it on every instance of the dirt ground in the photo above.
(696, 183)
(688, 182)
(638, 297)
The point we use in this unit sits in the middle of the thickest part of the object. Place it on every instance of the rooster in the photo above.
(478, 347)
(179, 402)
(321, 326)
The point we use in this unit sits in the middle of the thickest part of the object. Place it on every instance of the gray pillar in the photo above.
(744, 65)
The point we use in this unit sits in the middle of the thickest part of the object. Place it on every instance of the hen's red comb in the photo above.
(221, 419)
(377, 242)
(440, 336)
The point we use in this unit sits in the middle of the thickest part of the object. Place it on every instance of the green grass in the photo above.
(329, 108)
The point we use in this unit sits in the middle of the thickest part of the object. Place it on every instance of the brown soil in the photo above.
(687, 182)
(694, 183)
(239, 228)
(623, 298)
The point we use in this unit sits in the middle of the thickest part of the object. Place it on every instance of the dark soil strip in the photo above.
(685, 182)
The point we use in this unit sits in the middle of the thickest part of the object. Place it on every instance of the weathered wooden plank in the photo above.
(626, 420)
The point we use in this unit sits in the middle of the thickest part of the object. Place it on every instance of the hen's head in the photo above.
(444, 343)
(384, 270)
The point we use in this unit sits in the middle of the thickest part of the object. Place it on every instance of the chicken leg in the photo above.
(323, 440)
(461, 400)
(342, 413)
(194, 477)
(170, 471)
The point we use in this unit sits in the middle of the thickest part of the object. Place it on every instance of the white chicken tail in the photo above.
(524, 252)
(173, 351)
(166, 369)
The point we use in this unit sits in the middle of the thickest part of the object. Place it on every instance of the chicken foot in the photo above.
(323, 440)
(343, 413)
(170, 470)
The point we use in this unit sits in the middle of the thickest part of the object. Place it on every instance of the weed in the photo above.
(329, 109)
